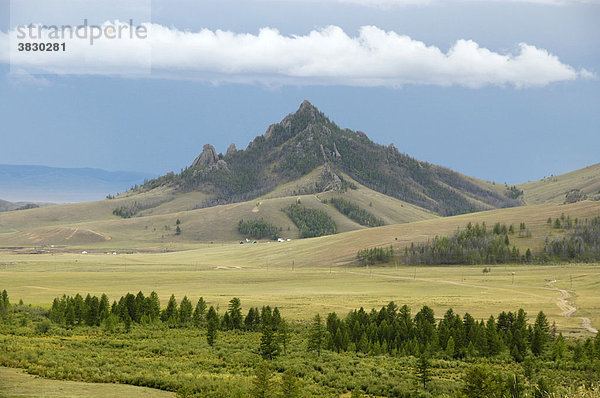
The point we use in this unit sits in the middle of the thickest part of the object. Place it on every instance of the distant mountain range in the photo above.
(24, 183)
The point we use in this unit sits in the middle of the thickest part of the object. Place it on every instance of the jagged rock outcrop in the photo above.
(574, 196)
(336, 153)
(329, 181)
(231, 150)
(207, 158)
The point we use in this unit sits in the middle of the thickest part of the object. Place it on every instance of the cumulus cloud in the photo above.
(322, 57)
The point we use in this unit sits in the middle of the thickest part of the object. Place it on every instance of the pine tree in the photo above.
(450, 346)
(493, 342)
(153, 306)
(199, 313)
(262, 386)
(283, 335)
(290, 387)
(170, 313)
(316, 338)
(212, 324)
(541, 334)
(103, 307)
(185, 311)
(423, 371)
(235, 313)
(269, 348)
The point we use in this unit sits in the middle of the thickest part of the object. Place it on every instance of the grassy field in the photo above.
(325, 276)
(15, 383)
(303, 292)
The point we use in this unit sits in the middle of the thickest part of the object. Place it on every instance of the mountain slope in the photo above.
(306, 140)
(93, 224)
(554, 189)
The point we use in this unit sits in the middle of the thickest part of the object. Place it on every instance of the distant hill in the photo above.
(306, 140)
(7, 206)
(52, 184)
(580, 184)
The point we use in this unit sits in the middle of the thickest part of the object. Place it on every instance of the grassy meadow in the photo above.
(305, 276)
(304, 291)
(16, 383)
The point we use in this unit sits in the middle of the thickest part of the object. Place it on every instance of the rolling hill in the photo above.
(7, 206)
(555, 188)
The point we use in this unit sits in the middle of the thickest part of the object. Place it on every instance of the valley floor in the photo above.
(16, 383)
(567, 293)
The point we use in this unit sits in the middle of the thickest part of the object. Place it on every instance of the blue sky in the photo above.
(483, 111)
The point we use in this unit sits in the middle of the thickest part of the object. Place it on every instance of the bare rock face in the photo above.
(231, 150)
(329, 181)
(220, 165)
(207, 158)
(336, 153)
(574, 196)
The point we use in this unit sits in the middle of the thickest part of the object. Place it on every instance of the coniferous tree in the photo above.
(235, 314)
(493, 342)
(479, 382)
(290, 386)
(199, 316)
(423, 371)
(169, 314)
(262, 385)
(153, 306)
(541, 334)
(283, 335)
(185, 311)
(269, 347)
(212, 324)
(103, 307)
(316, 338)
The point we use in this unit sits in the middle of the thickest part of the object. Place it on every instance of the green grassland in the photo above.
(303, 292)
(16, 383)
(302, 277)
(307, 276)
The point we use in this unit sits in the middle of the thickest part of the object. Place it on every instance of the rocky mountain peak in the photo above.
(208, 157)
(231, 150)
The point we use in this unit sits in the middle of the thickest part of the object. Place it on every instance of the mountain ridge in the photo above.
(307, 139)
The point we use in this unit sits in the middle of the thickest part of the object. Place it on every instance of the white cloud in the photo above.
(322, 57)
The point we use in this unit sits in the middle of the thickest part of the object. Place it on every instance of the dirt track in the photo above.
(569, 308)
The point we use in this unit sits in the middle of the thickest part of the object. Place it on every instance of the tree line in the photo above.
(476, 244)
(258, 229)
(581, 241)
(421, 342)
(394, 331)
(375, 255)
(355, 212)
(310, 222)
